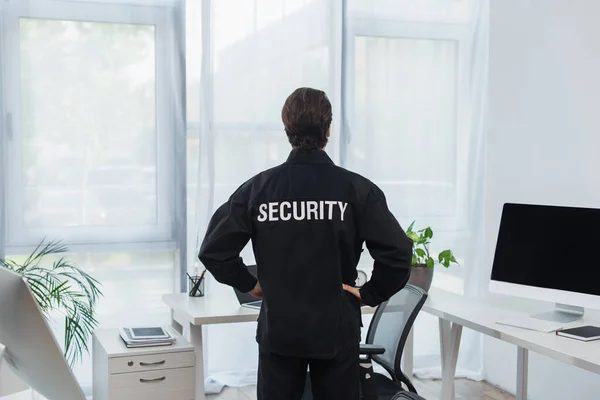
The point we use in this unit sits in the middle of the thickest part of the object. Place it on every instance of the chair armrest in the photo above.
(371, 349)
(368, 387)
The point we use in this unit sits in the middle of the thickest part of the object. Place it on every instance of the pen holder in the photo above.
(196, 286)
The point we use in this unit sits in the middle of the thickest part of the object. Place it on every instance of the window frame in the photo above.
(162, 18)
(368, 27)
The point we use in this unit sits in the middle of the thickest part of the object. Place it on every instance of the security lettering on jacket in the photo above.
(308, 220)
(302, 210)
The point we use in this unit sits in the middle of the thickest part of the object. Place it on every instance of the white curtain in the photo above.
(252, 59)
(407, 82)
(414, 105)
(93, 93)
(92, 128)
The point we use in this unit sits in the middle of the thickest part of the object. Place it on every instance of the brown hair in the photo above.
(307, 116)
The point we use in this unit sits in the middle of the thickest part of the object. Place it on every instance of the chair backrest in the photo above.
(391, 325)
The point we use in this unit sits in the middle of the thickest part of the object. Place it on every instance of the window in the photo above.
(404, 121)
(406, 116)
(259, 57)
(91, 92)
(90, 149)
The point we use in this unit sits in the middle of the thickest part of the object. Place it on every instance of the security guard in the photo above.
(307, 220)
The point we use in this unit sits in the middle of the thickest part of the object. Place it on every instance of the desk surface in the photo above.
(221, 307)
(481, 316)
(217, 307)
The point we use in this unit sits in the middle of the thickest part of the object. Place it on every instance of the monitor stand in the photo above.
(562, 313)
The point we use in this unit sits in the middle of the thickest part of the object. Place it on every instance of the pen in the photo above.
(202, 274)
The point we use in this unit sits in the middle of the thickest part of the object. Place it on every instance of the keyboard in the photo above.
(532, 324)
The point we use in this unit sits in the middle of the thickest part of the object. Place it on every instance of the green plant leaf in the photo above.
(414, 259)
(443, 258)
(420, 252)
(423, 240)
(428, 233)
(63, 288)
(410, 228)
(444, 254)
(446, 257)
(430, 263)
(413, 236)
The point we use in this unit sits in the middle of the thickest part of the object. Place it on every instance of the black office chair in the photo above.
(385, 342)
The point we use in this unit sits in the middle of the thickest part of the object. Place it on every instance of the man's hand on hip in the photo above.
(257, 291)
(354, 292)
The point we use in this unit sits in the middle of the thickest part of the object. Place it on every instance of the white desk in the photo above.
(456, 312)
(217, 307)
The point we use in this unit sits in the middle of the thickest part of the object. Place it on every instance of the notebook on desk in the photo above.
(584, 333)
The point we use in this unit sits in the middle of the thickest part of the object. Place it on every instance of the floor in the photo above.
(429, 389)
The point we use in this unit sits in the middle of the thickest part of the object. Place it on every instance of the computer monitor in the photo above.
(31, 349)
(549, 253)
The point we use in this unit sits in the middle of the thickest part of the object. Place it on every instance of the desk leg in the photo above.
(196, 341)
(449, 370)
(522, 366)
(445, 327)
(407, 361)
(176, 325)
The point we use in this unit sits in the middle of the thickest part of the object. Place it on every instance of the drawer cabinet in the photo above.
(150, 362)
(159, 385)
(149, 373)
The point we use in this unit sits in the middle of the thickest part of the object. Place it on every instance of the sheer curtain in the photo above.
(407, 80)
(91, 127)
(414, 101)
(95, 151)
(252, 59)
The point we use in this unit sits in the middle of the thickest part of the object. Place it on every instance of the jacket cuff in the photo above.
(368, 297)
(245, 282)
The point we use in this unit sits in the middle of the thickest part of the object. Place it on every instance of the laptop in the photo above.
(246, 299)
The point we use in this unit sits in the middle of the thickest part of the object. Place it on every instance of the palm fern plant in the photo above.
(62, 287)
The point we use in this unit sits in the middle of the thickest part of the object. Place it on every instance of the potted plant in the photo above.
(61, 288)
(422, 261)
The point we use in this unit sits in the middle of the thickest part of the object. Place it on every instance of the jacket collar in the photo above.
(298, 156)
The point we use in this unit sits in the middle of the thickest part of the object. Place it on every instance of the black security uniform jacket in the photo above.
(308, 220)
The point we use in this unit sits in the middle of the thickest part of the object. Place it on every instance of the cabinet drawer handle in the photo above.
(145, 364)
(162, 378)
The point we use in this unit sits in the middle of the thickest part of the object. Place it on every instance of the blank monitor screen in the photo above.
(549, 247)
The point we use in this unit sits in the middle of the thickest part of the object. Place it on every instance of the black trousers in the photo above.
(284, 378)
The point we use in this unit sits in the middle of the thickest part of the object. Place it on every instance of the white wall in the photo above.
(543, 145)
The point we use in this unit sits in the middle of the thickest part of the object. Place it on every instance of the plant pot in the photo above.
(421, 276)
